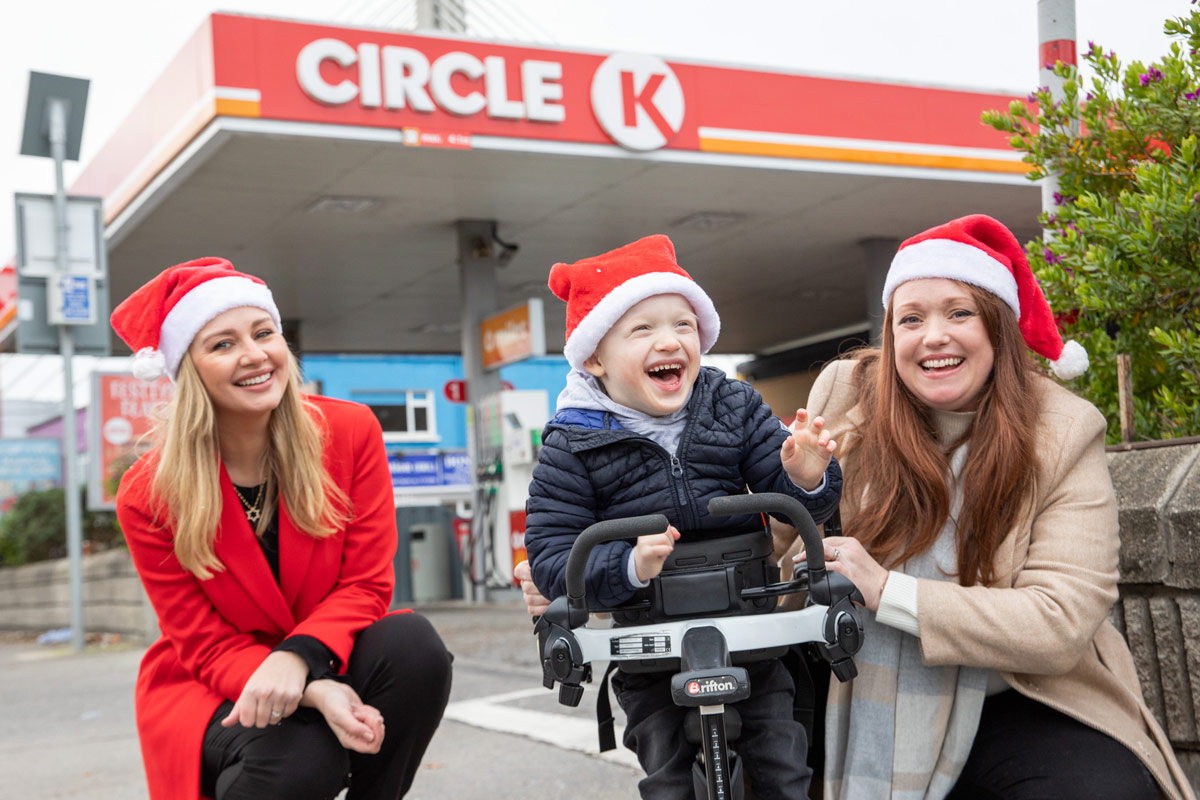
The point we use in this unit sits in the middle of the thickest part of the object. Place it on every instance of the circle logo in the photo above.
(117, 431)
(637, 100)
(693, 687)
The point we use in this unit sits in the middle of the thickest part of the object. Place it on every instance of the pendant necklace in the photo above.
(253, 511)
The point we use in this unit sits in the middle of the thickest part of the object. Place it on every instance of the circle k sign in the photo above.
(637, 100)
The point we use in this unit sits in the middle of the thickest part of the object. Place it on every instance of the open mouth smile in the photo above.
(266, 376)
(935, 365)
(668, 375)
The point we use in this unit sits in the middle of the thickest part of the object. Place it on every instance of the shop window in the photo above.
(404, 415)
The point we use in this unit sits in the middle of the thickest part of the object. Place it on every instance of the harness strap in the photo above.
(604, 717)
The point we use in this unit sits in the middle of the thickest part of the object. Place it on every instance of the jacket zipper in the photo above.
(677, 471)
(675, 466)
(691, 517)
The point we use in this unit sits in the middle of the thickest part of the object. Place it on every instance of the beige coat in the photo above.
(1044, 624)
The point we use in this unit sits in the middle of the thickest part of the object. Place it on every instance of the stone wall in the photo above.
(1158, 492)
(37, 597)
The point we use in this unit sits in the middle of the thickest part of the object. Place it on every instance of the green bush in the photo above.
(1121, 251)
(35, 528)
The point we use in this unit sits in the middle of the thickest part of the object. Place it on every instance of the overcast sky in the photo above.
(122, 46)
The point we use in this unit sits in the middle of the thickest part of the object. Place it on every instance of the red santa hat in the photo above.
(600, 289)
(159, 320)
(982, 252)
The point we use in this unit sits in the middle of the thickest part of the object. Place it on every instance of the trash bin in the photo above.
(429, 557)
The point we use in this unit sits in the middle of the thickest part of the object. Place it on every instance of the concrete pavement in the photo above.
(67, 727)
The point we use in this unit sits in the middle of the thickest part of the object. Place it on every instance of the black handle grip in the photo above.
(608, 531)
(784, 505)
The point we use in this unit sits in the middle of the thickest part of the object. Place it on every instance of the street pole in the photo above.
(56, 111)
(1056, 42)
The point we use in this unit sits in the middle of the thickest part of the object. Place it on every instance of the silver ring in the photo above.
(837, 551)
(276, 713)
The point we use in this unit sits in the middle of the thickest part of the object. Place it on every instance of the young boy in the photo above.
(642, 428)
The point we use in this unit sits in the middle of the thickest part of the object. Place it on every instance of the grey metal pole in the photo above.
(477, 262)
(442, 15)
(1056, 42)
(56, 110)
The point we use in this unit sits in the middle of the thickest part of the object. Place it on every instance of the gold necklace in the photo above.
(253, 512)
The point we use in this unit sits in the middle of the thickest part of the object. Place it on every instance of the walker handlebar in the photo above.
(819, 586)
(783, 505)
(607, 531)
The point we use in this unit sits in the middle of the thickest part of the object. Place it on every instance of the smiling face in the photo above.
(650, 358)
(944, 355)
(242, 360)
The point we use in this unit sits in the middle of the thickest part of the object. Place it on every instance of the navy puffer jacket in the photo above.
(590, 469)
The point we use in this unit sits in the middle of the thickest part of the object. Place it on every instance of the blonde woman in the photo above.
(263, 528)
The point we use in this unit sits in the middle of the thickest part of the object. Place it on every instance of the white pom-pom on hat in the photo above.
(1072, 363)
(148, 364)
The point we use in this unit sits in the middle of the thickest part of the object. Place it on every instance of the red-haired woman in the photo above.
(981, 526)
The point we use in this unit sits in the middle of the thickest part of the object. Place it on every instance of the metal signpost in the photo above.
(53, 128)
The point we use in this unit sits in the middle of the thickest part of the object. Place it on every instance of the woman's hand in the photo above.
(357, 726)
(272, 692)
(807, 452)
(535, 602)
(847, 556)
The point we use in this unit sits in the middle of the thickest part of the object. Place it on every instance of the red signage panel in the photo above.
(124, 409)
(462, 89)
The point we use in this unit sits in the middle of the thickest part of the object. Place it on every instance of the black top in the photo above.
(322, 663)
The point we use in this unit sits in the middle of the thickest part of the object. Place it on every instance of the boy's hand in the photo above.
(651, 551)
(806, 453)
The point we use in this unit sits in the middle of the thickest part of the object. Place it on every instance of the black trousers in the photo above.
(772, 744)
(1025, 750)
(400, 666)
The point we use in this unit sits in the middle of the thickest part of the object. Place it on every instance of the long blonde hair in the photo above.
(187, 487)
(897, 455)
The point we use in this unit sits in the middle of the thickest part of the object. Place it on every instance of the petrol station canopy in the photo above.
(334, 162)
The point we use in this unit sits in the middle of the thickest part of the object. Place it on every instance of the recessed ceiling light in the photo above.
(343, 205)
(437, 327)
(708, 220)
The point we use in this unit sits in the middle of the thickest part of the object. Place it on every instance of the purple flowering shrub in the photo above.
(1119, 257)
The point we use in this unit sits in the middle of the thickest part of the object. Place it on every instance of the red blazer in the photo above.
(216, 632)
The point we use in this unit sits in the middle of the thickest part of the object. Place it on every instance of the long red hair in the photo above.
(896, 469)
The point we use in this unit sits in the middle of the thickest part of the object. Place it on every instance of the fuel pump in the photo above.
(508, 434)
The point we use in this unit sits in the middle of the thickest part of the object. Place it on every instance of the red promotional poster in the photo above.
(123, 409)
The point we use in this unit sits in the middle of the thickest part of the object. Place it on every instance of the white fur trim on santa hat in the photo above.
(612, 307)
(201, 306)
(1072, 361)
(946, 258)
